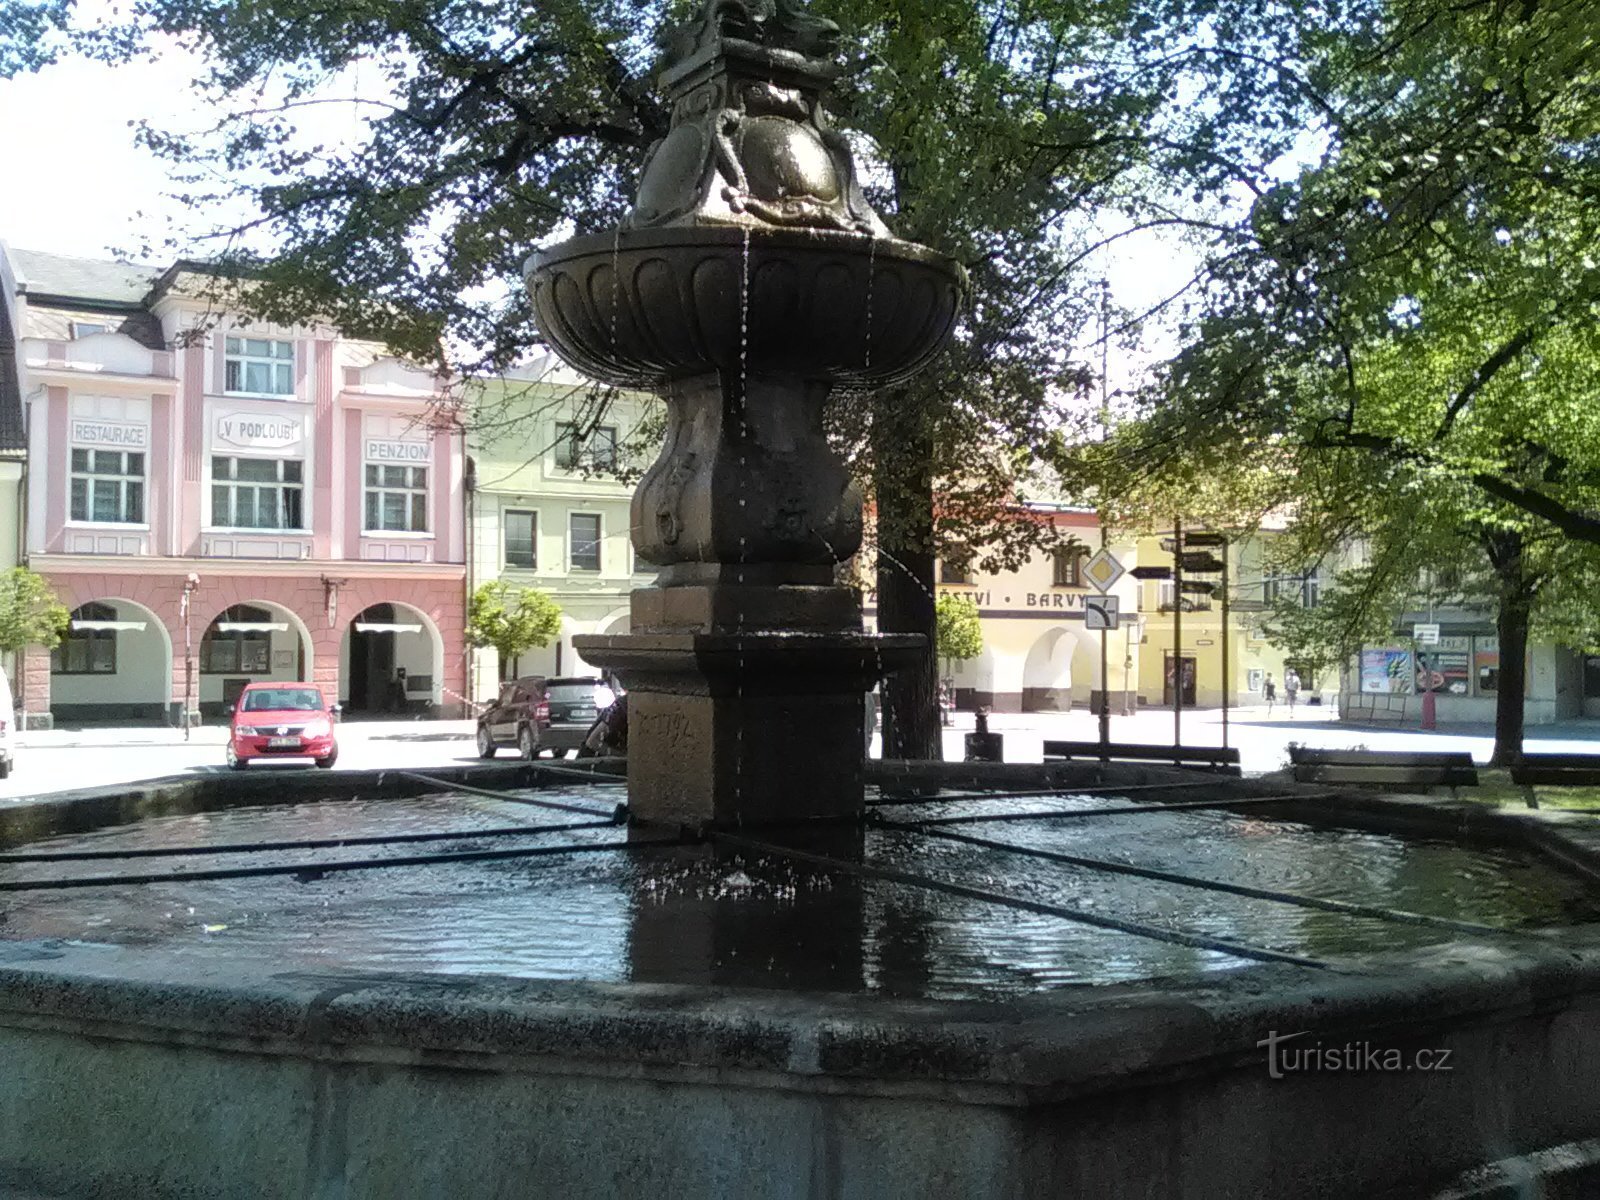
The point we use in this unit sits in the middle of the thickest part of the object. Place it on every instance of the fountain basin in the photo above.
(642, 307)
(243, 1068)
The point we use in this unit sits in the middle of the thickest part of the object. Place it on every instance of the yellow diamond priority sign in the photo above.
(1103, 570)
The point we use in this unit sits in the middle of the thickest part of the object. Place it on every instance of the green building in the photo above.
(552, 460)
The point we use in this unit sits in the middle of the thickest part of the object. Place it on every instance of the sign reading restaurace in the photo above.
(380, 451)
(125, 434)
(257, 431)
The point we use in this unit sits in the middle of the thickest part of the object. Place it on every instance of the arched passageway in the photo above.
(391, 663)
(114, 664)
(255, 641)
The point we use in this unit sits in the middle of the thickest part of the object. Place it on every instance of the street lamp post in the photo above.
(189, 586)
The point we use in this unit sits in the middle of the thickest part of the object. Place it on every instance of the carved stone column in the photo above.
(750, 279)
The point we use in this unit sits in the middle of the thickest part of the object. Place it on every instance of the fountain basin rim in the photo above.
(1032, 1049)
(762, 237)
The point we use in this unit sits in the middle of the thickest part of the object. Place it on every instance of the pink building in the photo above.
(220, 502)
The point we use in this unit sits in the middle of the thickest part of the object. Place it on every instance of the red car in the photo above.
(281, 720)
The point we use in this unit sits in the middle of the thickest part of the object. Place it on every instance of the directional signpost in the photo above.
(1219, 542)
(1101, 612)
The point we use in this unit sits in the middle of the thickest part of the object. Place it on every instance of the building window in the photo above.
(1065, 566)
(87, 651)
(257, 493)
(237, 651)
(108, 485)
(601, 451)
(259, 366)
(956, 567)
(521, 534)
(397, 499)
(83, 329)
(585, 537)
(1306, 588)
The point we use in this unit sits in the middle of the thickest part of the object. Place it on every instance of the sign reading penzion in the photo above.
(399, 452)
(253, 431)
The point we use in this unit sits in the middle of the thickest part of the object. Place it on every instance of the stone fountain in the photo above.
(750, 280)
(386, 984)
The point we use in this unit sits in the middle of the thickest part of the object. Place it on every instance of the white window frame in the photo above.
(243, 356)
(505, 538)
(93, 327)
(122, 478)
(1308, 587)
(599, 545)
(566, 458)
(232, 482)
(411, 490)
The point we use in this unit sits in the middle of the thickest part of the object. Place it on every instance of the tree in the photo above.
(1426, 292)
(1406, 325)
(511, 619)
(959, 631)
(30, 614)
(996, 132)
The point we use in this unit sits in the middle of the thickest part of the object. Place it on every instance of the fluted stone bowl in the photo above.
(641, 307)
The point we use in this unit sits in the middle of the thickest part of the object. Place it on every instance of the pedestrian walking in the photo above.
(1269, 693)
(1291, 687)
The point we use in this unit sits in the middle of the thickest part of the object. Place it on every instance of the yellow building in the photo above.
(1187, 628)
(1038, 655)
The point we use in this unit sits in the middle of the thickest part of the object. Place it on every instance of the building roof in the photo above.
(44, 277)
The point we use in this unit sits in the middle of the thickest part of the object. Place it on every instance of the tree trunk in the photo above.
(1511, 621)
(903, 487)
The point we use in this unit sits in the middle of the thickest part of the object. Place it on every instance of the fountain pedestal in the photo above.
(745, 727)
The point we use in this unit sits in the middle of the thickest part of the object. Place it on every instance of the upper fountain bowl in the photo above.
(644, 306)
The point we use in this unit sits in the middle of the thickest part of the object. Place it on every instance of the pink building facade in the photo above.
(219, 503)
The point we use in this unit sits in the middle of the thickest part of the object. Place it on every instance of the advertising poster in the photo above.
(1443, 672)
(1486, 665)
(1386, 672)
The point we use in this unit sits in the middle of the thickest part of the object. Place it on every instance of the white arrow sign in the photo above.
(1101, 612)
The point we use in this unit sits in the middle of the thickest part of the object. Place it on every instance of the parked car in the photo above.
(535, 714)
(281, 720)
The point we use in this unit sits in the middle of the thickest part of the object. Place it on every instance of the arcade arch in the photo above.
(113, 664)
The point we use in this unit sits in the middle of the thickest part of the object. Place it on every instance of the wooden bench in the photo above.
(1199, 758)
(1557, 770)
(1424, 768)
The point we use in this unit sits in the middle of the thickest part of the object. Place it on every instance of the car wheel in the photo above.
(486, 746)
(325, 763)
(527, 743)
(234, 761)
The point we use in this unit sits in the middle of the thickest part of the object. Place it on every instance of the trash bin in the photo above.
(983, 746)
